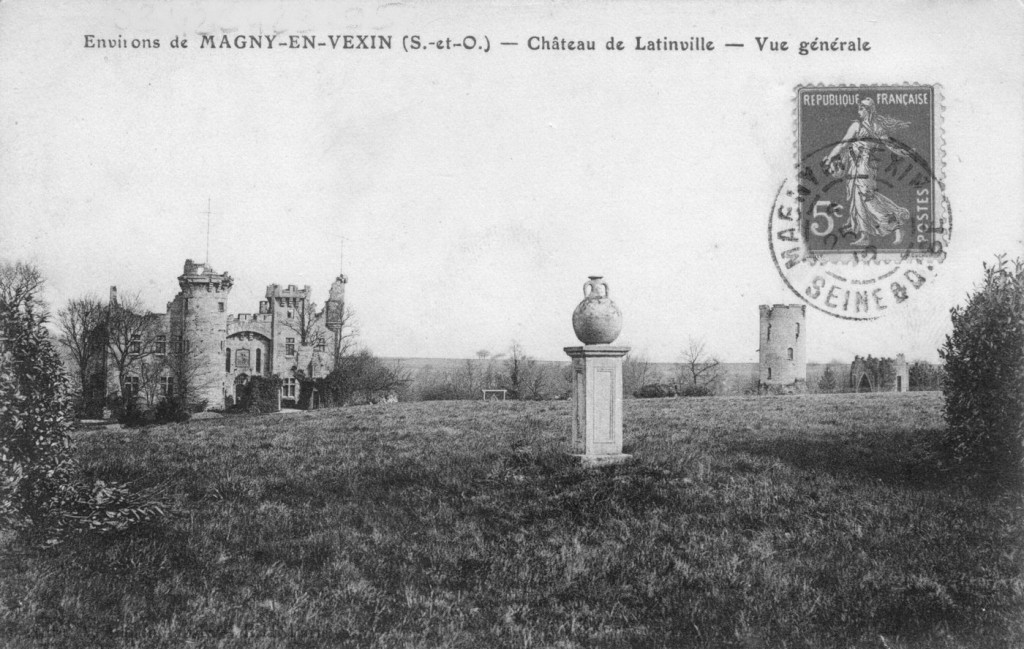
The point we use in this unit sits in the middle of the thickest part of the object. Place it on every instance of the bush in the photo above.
(828, 381)
(696, 391)
(130, 414)
(260, 395)
(361, 378)
(655, 391)
(40, 483)
(105, 507)
(925, 376)
(984, 373)
(35, 450)
(172, 410)
(89, 404)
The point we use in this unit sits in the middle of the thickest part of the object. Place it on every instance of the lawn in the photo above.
(801, 521)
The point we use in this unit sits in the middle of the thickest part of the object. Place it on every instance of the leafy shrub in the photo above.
(130, 414)
(696, 391)
(35, 450)
(828, 381)
(172, 410)
(40, 483)
(89, 404)
(925, 376)
(655, 391)
(306, 388)
(260, 395)
(104, 507)
(360, 378)
(984, 373)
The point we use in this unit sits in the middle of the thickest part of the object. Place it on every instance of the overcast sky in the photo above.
(477, 191)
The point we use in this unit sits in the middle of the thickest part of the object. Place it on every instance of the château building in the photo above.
(199, 348)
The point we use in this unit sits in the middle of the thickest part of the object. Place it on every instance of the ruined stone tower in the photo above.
(198, 327)
(782, 351)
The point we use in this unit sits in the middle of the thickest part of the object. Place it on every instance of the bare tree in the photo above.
(308, 323)
(467, 382)
(189, 376)
(151, 373)
(344, 339)
(21, 285)
(515, 369)
(699, 370)
(379, 380)
(524, 377)
(535, 379)
(129, 332)
(637, 371)
(566, 380)
(81, 327)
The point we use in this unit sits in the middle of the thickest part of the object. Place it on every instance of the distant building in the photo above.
(198, 344)
(782, 354)
(868, 374)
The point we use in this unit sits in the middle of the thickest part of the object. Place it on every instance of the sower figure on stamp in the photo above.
(870, 211)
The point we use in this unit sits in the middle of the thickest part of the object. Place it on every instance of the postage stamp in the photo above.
(863, 222)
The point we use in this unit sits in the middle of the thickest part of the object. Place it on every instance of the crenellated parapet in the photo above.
(285, 296)
(256, 323)
(199, 277)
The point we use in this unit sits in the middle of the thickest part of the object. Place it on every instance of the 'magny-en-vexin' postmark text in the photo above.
(863, 222)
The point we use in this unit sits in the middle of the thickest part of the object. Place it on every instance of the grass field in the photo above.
(743, 522)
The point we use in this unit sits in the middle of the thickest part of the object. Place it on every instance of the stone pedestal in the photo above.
(597, 404)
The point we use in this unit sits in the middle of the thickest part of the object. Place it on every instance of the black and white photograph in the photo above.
(512, 324)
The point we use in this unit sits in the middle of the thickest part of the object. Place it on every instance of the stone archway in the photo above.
(865, 384)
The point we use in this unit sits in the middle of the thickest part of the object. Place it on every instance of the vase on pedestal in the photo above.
(596, 320)
(597, 378)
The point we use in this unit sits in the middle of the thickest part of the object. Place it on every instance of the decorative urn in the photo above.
(596, 321)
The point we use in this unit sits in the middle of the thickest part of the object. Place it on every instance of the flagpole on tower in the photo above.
(208, 204)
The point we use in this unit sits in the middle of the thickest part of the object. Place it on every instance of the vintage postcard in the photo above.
(374, 219)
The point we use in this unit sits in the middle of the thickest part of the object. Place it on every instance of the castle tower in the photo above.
(198, 327)
(782, 351)
(286, 306)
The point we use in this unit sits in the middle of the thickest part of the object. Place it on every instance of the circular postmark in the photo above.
(863, 223)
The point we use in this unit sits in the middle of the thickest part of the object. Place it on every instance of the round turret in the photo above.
(782, 351)
(198, 324)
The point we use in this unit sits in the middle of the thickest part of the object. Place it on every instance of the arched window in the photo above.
(769, 331)
(259, 360)
(798, 331)
(227, 360)
(769, 374)
(789, 352)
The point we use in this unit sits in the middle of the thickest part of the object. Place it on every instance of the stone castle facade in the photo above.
(782, 352)
(199, 347)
